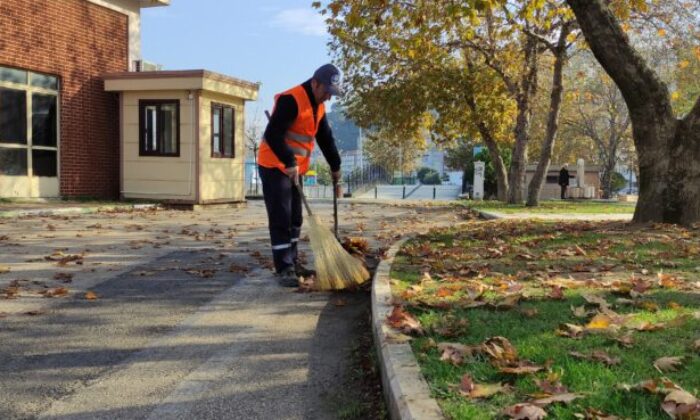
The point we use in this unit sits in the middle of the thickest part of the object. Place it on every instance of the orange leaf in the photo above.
(89, 295)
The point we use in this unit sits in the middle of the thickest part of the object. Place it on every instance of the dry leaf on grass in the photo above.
(558, 398)
(668, 364)
(455, 352)
(570, 330)
(680, 404)
(470, 389)
(597, 356)
(404, 321)
(593, 414)
(696, 345)
(523, 367)
(524, 411)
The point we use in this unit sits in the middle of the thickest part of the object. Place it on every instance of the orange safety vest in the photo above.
(299, 137)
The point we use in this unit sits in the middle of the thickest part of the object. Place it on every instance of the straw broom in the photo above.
(335, 268)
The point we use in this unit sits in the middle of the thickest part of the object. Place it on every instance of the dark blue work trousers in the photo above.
(284, 215)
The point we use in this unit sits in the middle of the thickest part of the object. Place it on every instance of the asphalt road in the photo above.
(189, 323)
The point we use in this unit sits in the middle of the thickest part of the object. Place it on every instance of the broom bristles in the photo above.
(335, 268)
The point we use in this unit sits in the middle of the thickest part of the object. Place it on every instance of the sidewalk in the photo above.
(38, 207)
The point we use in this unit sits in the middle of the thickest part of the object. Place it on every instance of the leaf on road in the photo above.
(524, 411)
(89, 295)
(4, 269)
(55, 292)
(668, 364)
(64, 277)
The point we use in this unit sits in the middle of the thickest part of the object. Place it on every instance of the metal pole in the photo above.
(375, 191)
(403, 195)
(434, 188)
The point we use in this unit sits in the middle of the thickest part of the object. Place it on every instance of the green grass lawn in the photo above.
(556, 207)
(507, 258)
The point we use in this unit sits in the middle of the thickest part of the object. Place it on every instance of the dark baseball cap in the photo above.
(329, 76)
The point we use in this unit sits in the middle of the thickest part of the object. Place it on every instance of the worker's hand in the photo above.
(336, 177)
(293, 174)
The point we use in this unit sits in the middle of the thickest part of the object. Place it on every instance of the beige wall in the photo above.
(221, 179)
(156, 177)
(552, 191)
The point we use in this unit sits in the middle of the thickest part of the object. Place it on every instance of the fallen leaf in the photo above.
(472, 390)
(696, 345)
(55, 292)
(523, 368)
(65, 277)
(404, 321)
(524, 411)
(562, 398)
(89, 295)
(571, 331)
(597, 356)
(500, 349)
(625, 340)
(599, 322)
(4, 269)
(556, 293)
(455, 352)
(668, 364)
(593, 414)
(680, 404)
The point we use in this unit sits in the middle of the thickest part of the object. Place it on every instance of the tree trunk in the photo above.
(560, 56)
(498, 165)
(516, 174)
(669, 149)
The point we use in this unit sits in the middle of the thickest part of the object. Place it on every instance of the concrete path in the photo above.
(558, 216)
(189, 322)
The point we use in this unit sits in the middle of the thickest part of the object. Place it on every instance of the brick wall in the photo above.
(78, 41)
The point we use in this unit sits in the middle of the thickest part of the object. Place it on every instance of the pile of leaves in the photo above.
(530, 319)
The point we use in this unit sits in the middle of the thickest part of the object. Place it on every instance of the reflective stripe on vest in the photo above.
(299, 137)
(298, 151)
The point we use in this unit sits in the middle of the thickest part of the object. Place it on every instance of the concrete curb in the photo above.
(405, 389)
(72, 210)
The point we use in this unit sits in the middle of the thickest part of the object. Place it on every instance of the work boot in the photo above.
(303, 271)
(288, 278)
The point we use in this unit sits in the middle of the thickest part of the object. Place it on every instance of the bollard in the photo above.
(434, 188)
(403, 195)
(375, 192)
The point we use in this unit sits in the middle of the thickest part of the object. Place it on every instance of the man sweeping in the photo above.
(285, 153)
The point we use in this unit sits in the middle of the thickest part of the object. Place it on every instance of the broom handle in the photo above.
(301, 192)
(303, 199)
(335, 209)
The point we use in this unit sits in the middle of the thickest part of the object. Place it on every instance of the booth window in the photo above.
(28, 123)
(223, 130)
(159, 127)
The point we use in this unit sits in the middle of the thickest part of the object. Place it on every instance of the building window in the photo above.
(223, 130)
(159, 125)
(28, 123)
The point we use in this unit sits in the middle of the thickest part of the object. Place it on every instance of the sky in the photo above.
(276, 42)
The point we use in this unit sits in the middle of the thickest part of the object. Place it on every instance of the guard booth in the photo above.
(182, 135)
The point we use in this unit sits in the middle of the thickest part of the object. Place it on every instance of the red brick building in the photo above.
(59, 128)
